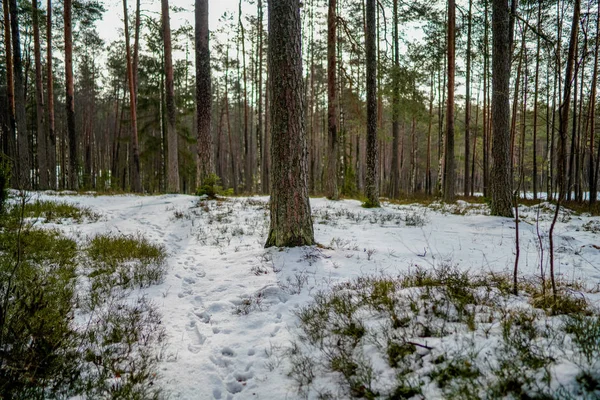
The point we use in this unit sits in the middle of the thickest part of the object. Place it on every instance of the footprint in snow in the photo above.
(197, 339)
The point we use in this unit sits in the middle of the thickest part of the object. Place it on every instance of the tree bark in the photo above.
(11, 149)
(372, 175)
(561, 179)
(501, 173)
(468, 104)
(449, 172)
(136, 182)
(291, 221)
(51, 142)
(23, 150)
(395, 176)
(172, 138)
(593, 183)
(331, 186)
(70, 100)
(39, 101)
(205, 166)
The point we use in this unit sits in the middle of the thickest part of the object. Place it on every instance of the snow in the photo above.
(228, 304)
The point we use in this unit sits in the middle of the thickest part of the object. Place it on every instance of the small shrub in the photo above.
(415, 219)
(211, 187)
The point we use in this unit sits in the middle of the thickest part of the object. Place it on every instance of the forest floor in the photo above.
(230, 307)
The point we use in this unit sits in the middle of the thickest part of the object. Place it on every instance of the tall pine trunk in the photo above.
(291, 221)
(136, 182)
(42, 153)
(205, 166)
(501, 171)
(73, 181)
(372, 176)
(331, 185)
(561, 179)
(172, 138)
(23, 151)
(449, 172)
(51, 142)
(395, 176)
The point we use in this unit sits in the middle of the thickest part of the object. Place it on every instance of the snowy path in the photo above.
(227, 303)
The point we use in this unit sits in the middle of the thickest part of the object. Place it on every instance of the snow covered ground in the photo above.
(228, 304)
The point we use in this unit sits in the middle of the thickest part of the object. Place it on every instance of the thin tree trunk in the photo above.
(468, 105)
(51, 142)
(136, 183)
(331, 186)
(449, 172)
(23, 150)
(291, 221)
(248, 159)
(39, 100)
(535, 105)
(564, 108)
(10, 92)
(395, 176)
(70, 100)
(593, 182)
(172, 138)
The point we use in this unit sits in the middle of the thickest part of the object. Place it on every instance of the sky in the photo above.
(112, 23)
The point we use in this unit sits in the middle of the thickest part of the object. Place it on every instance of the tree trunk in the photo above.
(172, 138)
(535, 105)
(39, 101)
(561, 179)
(593, 183)
(501, 173)
(291, 221)
(372, 176)
(11, 150)
(449, 172)
(248, 145)
(468, 104)
(51, 142)
(136, 183)
(205, 166)
(70, 100)
(23, 151)
(331, 186)
(395, 176)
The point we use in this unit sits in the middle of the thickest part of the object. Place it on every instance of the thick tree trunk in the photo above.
(51, 142)
(561, 179)
(172, 138)
(372, 175)
(205, 166)
(501, 172)
(449, 172)
(136, 182)
(291, 221)
(73, 181)
(331, 186)
(23, 150)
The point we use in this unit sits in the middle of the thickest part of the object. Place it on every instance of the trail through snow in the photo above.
(228, 304)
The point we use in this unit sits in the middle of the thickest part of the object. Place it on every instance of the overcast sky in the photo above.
(113, 18)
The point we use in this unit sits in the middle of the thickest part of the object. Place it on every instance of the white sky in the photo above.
(113, 18)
